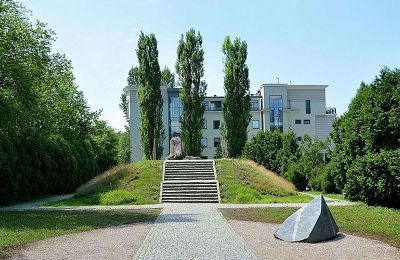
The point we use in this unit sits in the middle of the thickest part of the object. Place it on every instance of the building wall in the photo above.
(320, 122)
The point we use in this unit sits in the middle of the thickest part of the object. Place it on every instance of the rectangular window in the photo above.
(203, 142)
(204, 123)
(308, 106)
(216, 106)
(217, 141)
(297, 121)
(289, 104)
(254, 106)
(256, 124)
(216, 124)
(306, 121)
(275, 113)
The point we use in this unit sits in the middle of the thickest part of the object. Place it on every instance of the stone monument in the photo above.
(312, 223)
(176, 149)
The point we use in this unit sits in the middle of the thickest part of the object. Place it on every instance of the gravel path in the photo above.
(192, 231)
(260, 239)
(120, 242)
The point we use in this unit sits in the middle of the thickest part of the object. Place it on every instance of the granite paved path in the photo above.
(193, 231)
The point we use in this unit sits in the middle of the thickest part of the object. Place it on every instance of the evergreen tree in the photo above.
(167, 78)
(189, 67)
(149, 97)
(237, 98)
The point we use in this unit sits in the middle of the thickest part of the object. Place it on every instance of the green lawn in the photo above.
(243, 181)
(137, 183)
(19, 228)
(372, 222)
(327, 195)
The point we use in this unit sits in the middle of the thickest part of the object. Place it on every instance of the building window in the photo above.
(205, 104)
(217, 141)
(204, 123)
(306, 121)
(289, 104)
(216, 106)
(254, 106)
(216, 124)
(275, 113)
(175, 112)
(308, 107)
(256, 124)
(297, 121)
(203, 142)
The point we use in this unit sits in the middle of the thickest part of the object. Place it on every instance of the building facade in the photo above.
(301, 108)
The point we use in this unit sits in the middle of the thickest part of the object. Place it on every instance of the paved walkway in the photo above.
(193, 231)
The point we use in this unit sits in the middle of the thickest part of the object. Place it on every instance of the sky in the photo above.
(338, 43)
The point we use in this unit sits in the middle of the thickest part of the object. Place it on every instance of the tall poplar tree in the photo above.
(149, 97)
(237, 97)
(189, 67)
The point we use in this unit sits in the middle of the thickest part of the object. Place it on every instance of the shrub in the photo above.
(375, 179)
(264, 148)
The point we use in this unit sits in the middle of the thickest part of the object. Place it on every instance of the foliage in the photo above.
(20, 228)
(150, 102)
(189, 67)
(306, 170)
(48, 135)
(133, 76)
(124, 151)
(281, 153)
(237, 98)
(218, 152)
(375, 179)
(368, 128)
(266, 148)
(243, 181)
(371, 222)
(167, 78)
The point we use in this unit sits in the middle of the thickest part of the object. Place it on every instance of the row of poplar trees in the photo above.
(190, 70)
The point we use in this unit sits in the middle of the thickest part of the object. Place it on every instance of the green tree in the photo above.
(370, 127)
(167, 78)
(47, 131)
(237, 97)
(189, 67)
(149, 97)
(133, 76)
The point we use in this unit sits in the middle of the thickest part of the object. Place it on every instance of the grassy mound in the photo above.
(243, 181)
(137, 183)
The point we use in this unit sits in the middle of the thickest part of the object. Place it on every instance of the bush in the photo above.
(375, 179)
(297, 176)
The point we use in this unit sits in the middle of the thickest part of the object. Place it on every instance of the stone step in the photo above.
(189, 191)
(190, 201)
(190, 177)
(188, 196)
(189, 185)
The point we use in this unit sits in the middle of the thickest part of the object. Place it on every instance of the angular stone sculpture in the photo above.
(312, 223)
(175, 145)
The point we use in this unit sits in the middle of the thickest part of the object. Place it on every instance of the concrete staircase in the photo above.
(189, 181)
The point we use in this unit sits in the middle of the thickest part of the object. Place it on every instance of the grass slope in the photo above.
(19, 228)
(372, 222)
(243, 181)
(137, 183)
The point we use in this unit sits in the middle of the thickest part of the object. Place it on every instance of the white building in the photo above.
(301, 108)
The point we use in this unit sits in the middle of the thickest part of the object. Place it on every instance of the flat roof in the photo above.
(303, 86)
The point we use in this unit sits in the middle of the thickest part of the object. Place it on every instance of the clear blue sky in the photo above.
(339, 43)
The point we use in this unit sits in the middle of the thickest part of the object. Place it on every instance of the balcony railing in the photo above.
(330, 110)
